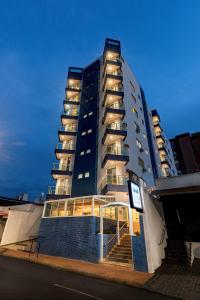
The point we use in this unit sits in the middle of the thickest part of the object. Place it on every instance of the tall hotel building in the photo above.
(107, 136)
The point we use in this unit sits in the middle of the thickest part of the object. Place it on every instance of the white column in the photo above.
(101, 234)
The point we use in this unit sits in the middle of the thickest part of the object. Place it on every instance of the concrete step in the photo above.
(119, 260)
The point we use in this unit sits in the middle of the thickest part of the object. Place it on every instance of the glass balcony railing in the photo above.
(52, 190)
(116, 72)
(68, 128)
(62, 146)
(116, 150)
(116, 105)
(70, 112)
(161, 145)
(74, 86)
(62, 167)
(117, 126)
(72, 99)
(115, 88)
(114, 179)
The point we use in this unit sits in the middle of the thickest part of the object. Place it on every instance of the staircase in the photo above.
(177, 253)
(121, 253)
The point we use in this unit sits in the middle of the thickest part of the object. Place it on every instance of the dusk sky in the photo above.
(40, 39)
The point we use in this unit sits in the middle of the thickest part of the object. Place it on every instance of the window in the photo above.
(137, 127)
(90, 113)
(149, 169)
(132, 86)
(144, 135)
(135, 111)
(83, 133)
(85, 116)
(87, 174)
(89, 131)
(147, 152)
(82, 153)
(141, 108)
(134, 98)
(140, 162)
(80, 176)
(139, 96)
(143, 122)
(138, 144)
(88, 151)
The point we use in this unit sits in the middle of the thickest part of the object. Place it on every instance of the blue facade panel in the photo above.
(139, 250)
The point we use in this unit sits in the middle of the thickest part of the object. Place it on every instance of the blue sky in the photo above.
(40, 39)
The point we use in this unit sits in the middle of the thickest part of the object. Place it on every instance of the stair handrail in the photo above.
(15, 243)
(108, 242)
(162, 235)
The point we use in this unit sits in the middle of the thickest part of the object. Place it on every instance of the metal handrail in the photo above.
(62, 167)
(15, 243)
(115, 105)
(62, 146)
(108, 242)
(52, 190)
(116, 150)
(68, 128)
(70, 112)
(117, 126)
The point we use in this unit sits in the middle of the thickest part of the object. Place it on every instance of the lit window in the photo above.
(80, 176)
(82, 153)
(88, 151)
(89, 131)
(90, 113)
(138, 143)
(83, 133)
(85, 116)
(87, 174)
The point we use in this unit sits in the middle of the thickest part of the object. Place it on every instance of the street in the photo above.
(24, 280)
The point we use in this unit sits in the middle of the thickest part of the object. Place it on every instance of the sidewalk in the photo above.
(119, 274)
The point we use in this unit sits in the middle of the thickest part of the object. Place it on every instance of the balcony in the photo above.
(71, 101)
(165, 161)
(61, 170)
(55, 193)
(114, 184)
(162, 147)
(70, 114)
(73, 85)
(63, 150)
(114, 111)
(119, 155)
(113, 77)
(67, 132)
(114, 92)
(113, 132)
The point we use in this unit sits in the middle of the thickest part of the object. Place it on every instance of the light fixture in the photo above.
(110, 116)
(110, 98)
(110, 67)
(111, 137)
(69, 93)
(71, 81)
(109, 55)
(110, 81)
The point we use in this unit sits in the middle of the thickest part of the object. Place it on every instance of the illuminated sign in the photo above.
(135, 196)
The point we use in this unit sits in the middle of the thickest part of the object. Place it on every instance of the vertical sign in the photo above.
(135, 196)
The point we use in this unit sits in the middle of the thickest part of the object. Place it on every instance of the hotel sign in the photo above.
(135, 196)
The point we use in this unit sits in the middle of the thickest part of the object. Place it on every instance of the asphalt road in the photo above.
(25, 280)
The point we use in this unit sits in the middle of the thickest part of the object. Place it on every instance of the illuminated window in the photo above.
(80, 176)
(82, 153)
(87, 174)
(90, 113)
(88, 151)
(138, 143)
(83, 133)
(89, 131)
(85, 116)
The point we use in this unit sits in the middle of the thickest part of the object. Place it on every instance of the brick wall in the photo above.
(74, 237)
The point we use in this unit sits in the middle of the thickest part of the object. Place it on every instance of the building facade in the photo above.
(107, 137)
(106, 131)
(186, 150)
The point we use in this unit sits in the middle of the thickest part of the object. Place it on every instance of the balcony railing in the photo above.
(116, 72)
(70, 112)
(52, 190)
(116, 150)
(62, 167)
(72, 99)
(74, 86)
(62, 146)
(117, 126)
(68, 128)
(161, 145)
(115, 105)
(115, 88)
(114, 179)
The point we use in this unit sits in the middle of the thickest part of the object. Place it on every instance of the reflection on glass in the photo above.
(70, 208)
(78, 208)
(48, 210)
(54, 209)
(87, 207)
(61, 209)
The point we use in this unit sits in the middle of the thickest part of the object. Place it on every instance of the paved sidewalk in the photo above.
(177, 281)
(108, 272)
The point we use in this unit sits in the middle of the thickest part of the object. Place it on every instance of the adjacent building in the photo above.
(107, 136)
(186, 150)
(164, 154)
